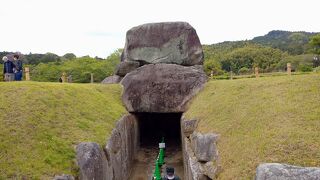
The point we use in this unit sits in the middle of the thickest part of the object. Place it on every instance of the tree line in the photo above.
(270, 53)
(49, 67)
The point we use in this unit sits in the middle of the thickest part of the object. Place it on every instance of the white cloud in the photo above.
(97, 27)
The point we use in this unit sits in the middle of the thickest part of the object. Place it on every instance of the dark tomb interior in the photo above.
(154, 126)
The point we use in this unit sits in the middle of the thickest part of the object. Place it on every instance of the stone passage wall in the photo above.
(200, 154)
(115, 160)
(122, 147)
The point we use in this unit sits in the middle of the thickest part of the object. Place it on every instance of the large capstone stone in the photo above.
(91, 161)
(270, 171)
(162, 88)
(170, 42)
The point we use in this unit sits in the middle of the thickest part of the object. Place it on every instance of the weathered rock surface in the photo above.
(191, 165)
(168, 42)
(271, 171)
(125, 67)
(115, 79)
(188, 126)
(91, 161)
(116, 160)
(195, 170)
(63, 177)
(162, 88)
(210, 169)
(121, 148)
(204, 146)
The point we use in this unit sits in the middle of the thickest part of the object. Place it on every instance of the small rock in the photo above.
(115, 79)
(125, 67)
(188, 126)
(270, 171)
(204, 146)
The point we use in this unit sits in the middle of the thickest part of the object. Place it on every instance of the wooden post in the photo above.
(211, 75)
(231, 75)
(27, 71)
(69, 79)
(64, 77)
(256, 71)
(91, 77)
(289, 68)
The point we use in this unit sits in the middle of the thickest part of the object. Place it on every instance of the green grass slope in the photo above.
(41, 123)
(273, 119)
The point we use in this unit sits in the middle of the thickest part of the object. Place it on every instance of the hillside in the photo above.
(42, 122)
(273, 119)
(270, 53)
(294, 43)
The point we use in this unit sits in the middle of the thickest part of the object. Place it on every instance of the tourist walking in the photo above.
(18, 67)
(8, 66)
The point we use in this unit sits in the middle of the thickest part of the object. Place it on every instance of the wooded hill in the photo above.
(270, 53)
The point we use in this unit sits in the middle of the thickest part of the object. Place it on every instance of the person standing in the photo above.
(18, 68)
(170, 174)
(8, 67)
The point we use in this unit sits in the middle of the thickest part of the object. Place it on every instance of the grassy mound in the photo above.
(274, 119)
(41, 123)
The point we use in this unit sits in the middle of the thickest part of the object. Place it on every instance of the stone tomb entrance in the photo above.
(152, 127)
(160, 71)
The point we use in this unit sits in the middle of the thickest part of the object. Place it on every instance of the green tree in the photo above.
(79, 68)
(212, 66)
(315, 44)
(266, 58)
(244, 70)
(69, 56)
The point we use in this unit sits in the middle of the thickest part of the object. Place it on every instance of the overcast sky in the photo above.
(98, 27)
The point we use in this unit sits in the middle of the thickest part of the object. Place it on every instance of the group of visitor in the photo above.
(12, 68)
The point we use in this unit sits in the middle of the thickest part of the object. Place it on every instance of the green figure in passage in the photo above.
(170, 174)
(161, 157)
(157, 173)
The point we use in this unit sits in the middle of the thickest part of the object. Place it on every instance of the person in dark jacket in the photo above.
(8, 67)
(18, 68)
(170, 174)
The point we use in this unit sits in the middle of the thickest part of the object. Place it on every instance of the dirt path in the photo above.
(144, 164)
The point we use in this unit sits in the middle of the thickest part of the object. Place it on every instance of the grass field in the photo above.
(41, 123)
(272, 119)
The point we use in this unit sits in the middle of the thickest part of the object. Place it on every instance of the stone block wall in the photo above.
(114, 161)
(200, 154)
